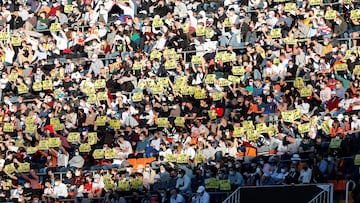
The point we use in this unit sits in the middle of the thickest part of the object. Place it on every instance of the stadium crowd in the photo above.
(213, 95)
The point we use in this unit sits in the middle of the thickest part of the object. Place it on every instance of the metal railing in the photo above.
(234, 197)
(325, 196)
(347, 190)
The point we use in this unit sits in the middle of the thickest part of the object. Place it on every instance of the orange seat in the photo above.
(145, 161)
(339, 185)
(250, 151)
(133, 162)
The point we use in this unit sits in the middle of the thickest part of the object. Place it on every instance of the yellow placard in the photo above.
(355, 14)
(217, 96)
(162, 122)
(315, 2)
(155, 55)
(4, 35)
(13, 77)
(248, 125)
(227, 22)
(43, 145)
(68, 8)
(212, 114)
(73, 137)
(200, 94)
(179, 121)
(171, 158)
(341, 67)
(287, 116)
(16, 41)
(290, 41)
(19, 143)
(23, 167)
(37, 86)
(30, 129)
(275, 33)
(137, 66)
(304, 127)
(31, 150)
(29, 120)
(123, 185)
(182, 159)
(100, 120)
(55, 27)
(54, 142)
(100, 83)
(102, 96)
(47, 85)
(196, 60)
(58, 126)
(228, 57)
(110, 154)
(261, 128)
(330, 15)
(89, 90)
(290, 7)
(108, 182)
(238, 132)
(306, 92)
(22, 89)
(325, 127)
(157, 23)
(347, 1)
(8, 127)
(137, 96)
(238, 70)
(225, 185)
(299, 82)
(170, 64)
(200, 31)
(85, 147)
(357, 160)
(211, 183)
(170, 53)
(157, 89)
(91, 98)
(163, 81)
(356, 70)
(251, 134)
(9, 169)
(223, 82)
(98, 154)
(209, 33)
(199, 158)
(114, 124)
(296, 114)
(92, 138)
(234, 79)
(136, 183)
(335, 143)
(210, 79)
(184, 27)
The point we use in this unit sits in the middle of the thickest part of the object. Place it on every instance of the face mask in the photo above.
(207, 174)
(262, 162)
(251, 83)
(337, 86)
(294, 162)
(329, 158)
(268, 100)
(76, 153)
(68, 175)
(231, 173)
(237, 165)
(293, 170)
(343, 50)
(147, 169)
(140, 138)
(229, 165)
(179, 176)
(356, 85)
(12, 118)
(282, 170)
(57, 183)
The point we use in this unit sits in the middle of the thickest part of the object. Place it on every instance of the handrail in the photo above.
(234, 197)
(347, 190)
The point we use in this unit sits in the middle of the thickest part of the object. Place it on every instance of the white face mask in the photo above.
(293, 169)
(77, 173)
(282, 170)
(76, 153)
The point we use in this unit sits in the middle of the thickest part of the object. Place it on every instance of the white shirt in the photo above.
(204, 198)
(305, 175)
(191, 152)
(126, 146)
(63, 159)
(9, 55)
(61, 190)
(156, 143)
(128, 10)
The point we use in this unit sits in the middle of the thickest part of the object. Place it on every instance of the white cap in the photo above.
(200, 189)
